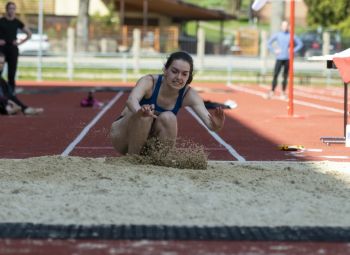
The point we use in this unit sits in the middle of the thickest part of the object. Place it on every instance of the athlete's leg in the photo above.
(165, 127)
(130, 133)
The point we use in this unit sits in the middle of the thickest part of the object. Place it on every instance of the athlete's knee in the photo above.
(115, 130)
(166, 123)
(118, 137)
(167, 117)
(141, 120)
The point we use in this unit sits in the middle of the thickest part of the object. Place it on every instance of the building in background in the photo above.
(160, 21)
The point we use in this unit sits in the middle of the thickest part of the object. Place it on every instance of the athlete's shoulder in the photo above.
(149, 78)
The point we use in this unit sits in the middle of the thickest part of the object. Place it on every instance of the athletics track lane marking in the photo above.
(312, 105)
(304, 93)
(230, 149)
(335, 91)
(83, 133)
(321, 98)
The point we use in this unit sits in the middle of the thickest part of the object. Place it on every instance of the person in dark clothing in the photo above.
(9, 102)
(153, 104)
(9, 25)
(7, 106)
(281, 52)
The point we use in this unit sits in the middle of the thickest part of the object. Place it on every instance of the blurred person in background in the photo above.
(9, 26)
(278, 44)
(7, 106)
(9, 102)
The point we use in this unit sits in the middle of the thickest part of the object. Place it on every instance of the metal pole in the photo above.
(121, 19)
(136, 49)
(121, 13)
(229, 71)
(263, 53)
(40, 30)
(200, 48)
(145, 18)
(345, 107)
(221, 36)
(291, 59)
(125, 67)
(70, 53)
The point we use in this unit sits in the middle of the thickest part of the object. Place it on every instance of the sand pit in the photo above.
(75, 190)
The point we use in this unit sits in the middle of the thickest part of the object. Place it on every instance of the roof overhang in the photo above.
(178, 10)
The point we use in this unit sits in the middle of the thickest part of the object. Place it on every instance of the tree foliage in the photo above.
(217, 4)
(344, 27)
(329, 14)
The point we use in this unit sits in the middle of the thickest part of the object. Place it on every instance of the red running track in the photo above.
(252, 131)
(145, 247)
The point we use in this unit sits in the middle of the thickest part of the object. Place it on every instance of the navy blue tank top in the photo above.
(153, 98)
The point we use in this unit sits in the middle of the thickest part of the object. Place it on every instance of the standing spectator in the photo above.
(279, 45)
(9, 26)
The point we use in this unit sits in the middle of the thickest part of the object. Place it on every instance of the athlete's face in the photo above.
(177, 74)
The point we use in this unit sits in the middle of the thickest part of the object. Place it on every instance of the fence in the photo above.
(215, 68)
(110, 50)
(128, 65)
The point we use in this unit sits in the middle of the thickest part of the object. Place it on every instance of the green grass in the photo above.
(212, 76)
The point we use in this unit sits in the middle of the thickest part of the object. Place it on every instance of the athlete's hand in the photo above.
(217, 119)
(2, 42)
(147, 110)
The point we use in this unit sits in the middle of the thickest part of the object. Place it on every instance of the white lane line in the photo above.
(334, 91)
(327, 91)
(111, 148)
(334, 157)
(258, 93)
(321, 98)
(228, 147)
(83, 133)
(317, 106)
(94, 148)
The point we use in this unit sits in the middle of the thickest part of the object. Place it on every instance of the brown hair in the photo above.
(8, 4)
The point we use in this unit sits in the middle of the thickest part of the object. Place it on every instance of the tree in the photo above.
(344, 27)
(83, 25)
(234, 6)
(216, 4)
(329, 14)
(277, 16)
